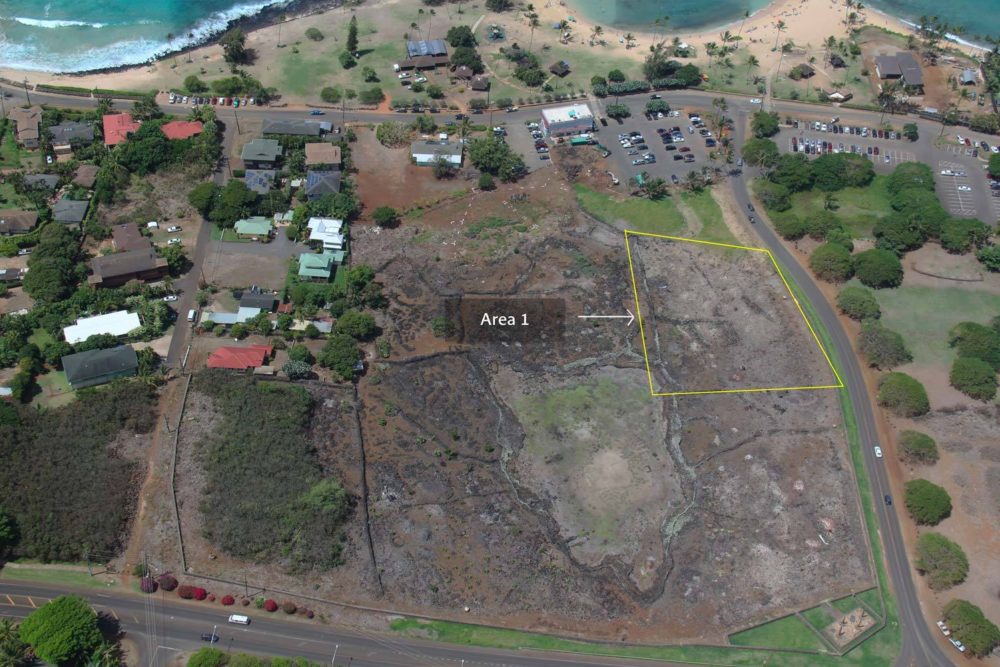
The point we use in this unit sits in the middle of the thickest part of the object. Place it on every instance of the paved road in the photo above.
(162, 626)
(920, 645)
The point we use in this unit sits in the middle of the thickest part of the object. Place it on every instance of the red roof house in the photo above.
(117, 127)
(181, 129)
(240, 358)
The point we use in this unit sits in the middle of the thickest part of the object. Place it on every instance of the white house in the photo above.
(429, 152)
(570, 119)
(118, 323)
(328, 231)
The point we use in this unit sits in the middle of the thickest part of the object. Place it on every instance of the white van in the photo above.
(192, 315)
(240, 619)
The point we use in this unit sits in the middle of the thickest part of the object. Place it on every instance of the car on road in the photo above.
(175, 228)
(878, 452)
(170, 297)
(964, 188)
(750, 207)
(888, 499)
(674, 179)
(752, 219)
(756, 100)
(174, 241)
(654, 96)
(209, 637)
(316, 112)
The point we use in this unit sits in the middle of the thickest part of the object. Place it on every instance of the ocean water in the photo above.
(76, 35)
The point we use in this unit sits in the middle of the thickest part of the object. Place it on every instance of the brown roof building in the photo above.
(423, 62)
(17, 222)
(480, 83)
(127, 237)
(86, 174)
(322, 153)
(117, 269)
(26, 123)
(464, 72)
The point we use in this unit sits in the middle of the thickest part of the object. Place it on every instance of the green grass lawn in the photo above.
(713, 227)
(924, 315)
(787, 632)
(55, 390)
(845, 604)
(227, 235)
(872, 598)
(819, 617)
(10, 152)
(52, 575)
(858, 208)
(641, 215)
(41, 338)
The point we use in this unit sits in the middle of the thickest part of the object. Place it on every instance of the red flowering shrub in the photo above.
(211, 598)
(270, 605)
(168, 582)
(147, 585)
(309, 613)
(200, 593)
(228, 600)
(185, 591)
(288, 607)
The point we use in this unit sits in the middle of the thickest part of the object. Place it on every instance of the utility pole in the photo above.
(26, 93)
(3, 105)
(333, 660)
(236, 115)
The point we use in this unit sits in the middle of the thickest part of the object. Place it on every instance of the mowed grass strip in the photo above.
(713, 226)
(53, 575)
(788, 632)
(640, 215)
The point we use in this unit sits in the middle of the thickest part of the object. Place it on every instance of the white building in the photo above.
(119, 323)
(428, 152)
(328, 231)
(571, 119)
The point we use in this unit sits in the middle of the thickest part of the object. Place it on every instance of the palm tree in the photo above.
(629, 40)
(663, 20)
(595, 33)
(848, 4)
(752, 62)
(711, 48)
(746, 15)
(785, 49)
(532, 23)
(780, 25)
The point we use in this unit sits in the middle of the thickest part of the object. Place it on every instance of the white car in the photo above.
(878, 452)
(756, 100)
(420, 79)
(960, 139)
(944, 628)
(170, 297)
(959, 645)
(823, 127)
(995, 149)
(403, 75)
(174, 241)
(175, 228)
(947, 172)
(964, 188)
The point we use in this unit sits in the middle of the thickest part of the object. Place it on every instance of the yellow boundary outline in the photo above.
(642, 330)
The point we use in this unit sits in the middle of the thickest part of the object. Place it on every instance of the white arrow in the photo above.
(630, 317)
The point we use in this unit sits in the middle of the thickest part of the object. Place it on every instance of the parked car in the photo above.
(403, 75)
(175, 228)
(174, 241)
(170, 297)
(964, 188)
(674, 179)
(24, 251)
(685, 149)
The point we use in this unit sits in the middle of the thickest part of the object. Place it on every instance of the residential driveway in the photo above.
(230, 264)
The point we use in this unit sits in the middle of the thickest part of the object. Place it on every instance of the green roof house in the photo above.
(319, 267)
(255, 227)
(261, 153)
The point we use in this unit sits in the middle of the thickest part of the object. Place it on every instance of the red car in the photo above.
(685, 149)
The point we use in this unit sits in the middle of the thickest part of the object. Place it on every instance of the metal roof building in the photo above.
(426, 47)
(93, 367)
(118, 323)
(570, 119)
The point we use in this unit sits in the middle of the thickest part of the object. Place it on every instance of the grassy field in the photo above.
(41, 338)
(227, 235)
(54, 575)
(872, 598)
(787, 632)
(923, 316)
(713, 227)
(55, 390)
(641, 215)
(858, 208)
(10, 152)
(819, 617)
(845, 604)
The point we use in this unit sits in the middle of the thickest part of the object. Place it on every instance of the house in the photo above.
(69, 131)
(328, 232)
(464, 72)
(423, 62)
(259, 300)
(319, 183)
(70, 211)
(323, 326)
(240, 358)
(86, 175)
(968, 77)
(12, 277)
(837, 61)
(255, 227)
(127, 237)
(429, 152)
(94, 367)
(13, 221)
(299, 128)
(322, 154)
(902, 67)
(259, 180)
(261, 153)
(802, 71)
(281, 219)
(480, 83)
(117, 127)
(118, 268)
(560, 68)
(176, 130)
(319, 267)
(838, 95)
(118, 323)
(26, 122)
(571, 119)
(425, 54)
(41, 181)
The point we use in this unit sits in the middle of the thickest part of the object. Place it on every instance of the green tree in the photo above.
(149, 361)
(774, 196)
(760, 152)
(791, 227)
(917, 447)
(617, 111)
(357, 325)
(994, 165)
(494, 156)
(974, 378)
(977, 341)
(49, 279)
(898, 233)
(177, 259)
(371, 96)
(442, 327)
(207, 657)
(794, 171)
(882, 347)
(13, 651)
(460, 35)
(822, 223)
(878, 268)
(971, 627)
(234, 48)
(63, 630)
(858, 303)
(959, 235)
(330, 94)
(235, 201)
(486, 182)
(903, 395)
(8, 532)
(340, 354)
(910, 175)
(203, 197)
(989, 257)
(942, 561)
(352, 35)
(911, 132)
(368, 74)
(193, 84)
(764, 124)
(314, 34)
(301, 353)
(831, 262)
(385, 216)
(616, 75)
(435, 92)
(926, 502)
(469, 57)
(297, 370)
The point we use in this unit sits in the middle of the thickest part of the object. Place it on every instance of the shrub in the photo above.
(791, 227)
(903, 395)
(821, 223)
(971, 627)
(167, 582)
(927, 502)
(147, 585)
(976, 341)
(831, 262)
(314, 34)
(974, 377)
(959, 235)
(347, 61)
(942, 561)
(207, 657)
(310, 613)
(185, 591)
(917, 447)
(200, 593)
(139, 570)
(330, 95)
(227, 600)
(878, 268)
(270, 605)
(774, 196)
(211, 597)
(858, 303)
(882, 347)
(989, 257)
(289, 607)
(486, 182)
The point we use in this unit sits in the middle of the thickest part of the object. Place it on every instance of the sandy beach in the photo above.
(807, 23)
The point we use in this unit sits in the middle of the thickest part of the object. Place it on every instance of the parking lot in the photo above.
(955, 189)
(814, 138)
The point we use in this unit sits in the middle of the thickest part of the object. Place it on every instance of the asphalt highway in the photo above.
(181, 623)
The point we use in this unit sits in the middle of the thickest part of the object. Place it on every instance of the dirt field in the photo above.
(537, 482)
